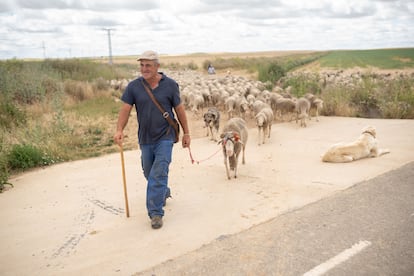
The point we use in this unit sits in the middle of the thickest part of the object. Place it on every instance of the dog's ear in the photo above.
(371, 130)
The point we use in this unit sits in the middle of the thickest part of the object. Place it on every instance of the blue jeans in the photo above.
(155, 161)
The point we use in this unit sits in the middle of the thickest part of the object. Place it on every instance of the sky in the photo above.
(80, 28)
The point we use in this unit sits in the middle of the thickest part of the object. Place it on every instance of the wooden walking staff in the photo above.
(124, 179)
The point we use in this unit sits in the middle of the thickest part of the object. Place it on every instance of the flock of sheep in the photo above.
(237, 99)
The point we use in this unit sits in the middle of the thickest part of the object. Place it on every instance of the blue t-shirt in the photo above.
(152, 126)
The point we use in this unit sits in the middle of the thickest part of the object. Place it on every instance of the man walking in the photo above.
(155, 135)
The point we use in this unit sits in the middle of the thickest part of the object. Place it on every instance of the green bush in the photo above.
(26, 157)
(271, 72)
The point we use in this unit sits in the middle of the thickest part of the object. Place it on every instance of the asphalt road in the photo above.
(367, 229)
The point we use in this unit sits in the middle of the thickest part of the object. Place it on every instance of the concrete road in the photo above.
(367, 229)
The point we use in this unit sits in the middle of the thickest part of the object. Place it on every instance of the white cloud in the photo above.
(75, 28)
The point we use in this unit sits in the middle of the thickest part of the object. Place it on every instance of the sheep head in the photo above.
(228, 140)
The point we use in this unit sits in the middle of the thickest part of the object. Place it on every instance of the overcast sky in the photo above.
(78, 28)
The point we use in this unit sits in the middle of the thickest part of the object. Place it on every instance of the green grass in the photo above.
(380, 58)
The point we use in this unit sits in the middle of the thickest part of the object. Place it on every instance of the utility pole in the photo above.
(44, 49)
(108, 30)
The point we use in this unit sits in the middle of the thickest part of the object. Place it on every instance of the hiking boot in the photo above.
(167, 196)
(156, 222)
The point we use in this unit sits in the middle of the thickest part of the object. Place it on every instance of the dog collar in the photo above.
(369, 133)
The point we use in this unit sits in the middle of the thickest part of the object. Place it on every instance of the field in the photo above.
(380, 59)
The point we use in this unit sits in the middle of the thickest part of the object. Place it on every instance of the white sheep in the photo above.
(302, 109)
(234, 139)
(257, 106)
(230, 104)
(196, 102)
(285, 106)
(316, 104)
(242, 106)
(264, 120)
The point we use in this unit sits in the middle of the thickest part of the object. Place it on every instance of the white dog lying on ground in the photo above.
(365, 146)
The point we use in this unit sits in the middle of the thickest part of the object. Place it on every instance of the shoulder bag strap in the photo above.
(165, 114)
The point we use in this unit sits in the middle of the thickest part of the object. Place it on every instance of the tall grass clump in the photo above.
(336, 102)
(364, 95)
(78, 91)
(397, 100)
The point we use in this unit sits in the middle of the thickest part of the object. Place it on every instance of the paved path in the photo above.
(325, 236)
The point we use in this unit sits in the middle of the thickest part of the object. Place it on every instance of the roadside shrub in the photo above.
(365, 97)
(27, 156)
(336, 102)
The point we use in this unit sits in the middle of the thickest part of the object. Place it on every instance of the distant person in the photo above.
(155, 135)
(210, 69)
